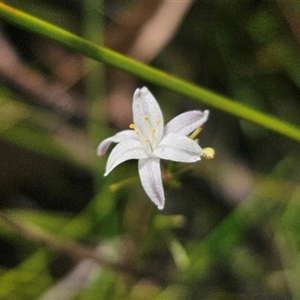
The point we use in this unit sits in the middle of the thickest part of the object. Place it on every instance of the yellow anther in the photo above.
(158, 121)
(132, 126)
(146, 140)
(137, 131)
(146, 118)
(208, 153)
(152, 130)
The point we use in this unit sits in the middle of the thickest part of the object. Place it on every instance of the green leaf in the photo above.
(146, 72)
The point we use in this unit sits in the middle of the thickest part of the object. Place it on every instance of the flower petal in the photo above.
(117, 138)
(186, 122)
(147, 114)
(178, 147)
(150, 174)
(125, 150)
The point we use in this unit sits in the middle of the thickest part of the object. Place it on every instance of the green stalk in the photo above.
(145, 72)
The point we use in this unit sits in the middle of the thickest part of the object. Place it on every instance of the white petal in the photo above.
(117, 138)
(125, 150)
(150, 174)
(145, 106)
(186, 122)
(178, 147)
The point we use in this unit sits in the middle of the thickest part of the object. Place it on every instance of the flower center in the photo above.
(149, 136)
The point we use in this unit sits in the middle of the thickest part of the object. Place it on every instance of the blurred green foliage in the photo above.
(230, 227)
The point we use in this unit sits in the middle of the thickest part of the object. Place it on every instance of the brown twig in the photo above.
(147, 28)
(71, 248)
(291, 13)
(40, 90)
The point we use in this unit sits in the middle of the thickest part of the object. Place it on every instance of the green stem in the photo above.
(145, 72)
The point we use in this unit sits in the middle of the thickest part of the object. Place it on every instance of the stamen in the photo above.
(195, 133)
(137, 131)
(208, 153)
(158, 121)
(146, 118)
(152, 130)
(146, 140)
(132, 126)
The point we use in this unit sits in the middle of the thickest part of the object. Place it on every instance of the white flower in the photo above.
(149, 141)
